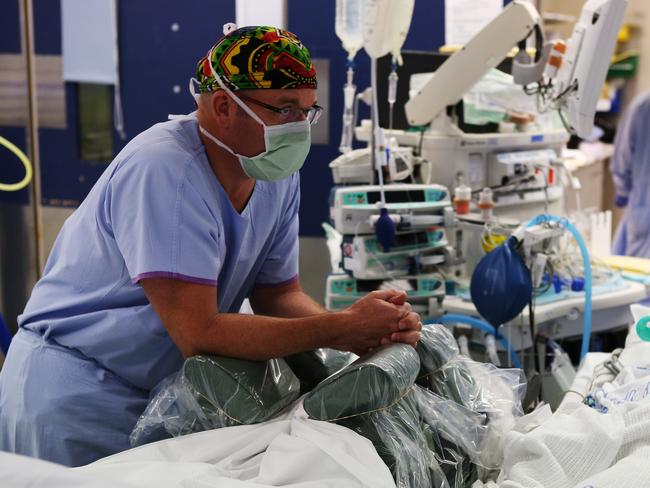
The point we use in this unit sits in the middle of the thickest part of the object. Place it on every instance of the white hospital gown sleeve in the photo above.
(281, 264)
(161, 224)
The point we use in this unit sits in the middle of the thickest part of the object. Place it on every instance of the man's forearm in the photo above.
(288, 302)
(258, 337)
(295, 304)
(190, 315)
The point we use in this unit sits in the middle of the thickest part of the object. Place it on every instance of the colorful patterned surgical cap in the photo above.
(257, 57)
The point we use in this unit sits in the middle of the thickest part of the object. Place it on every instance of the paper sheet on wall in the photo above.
(465, 18)
(89, 41)
(254, 12)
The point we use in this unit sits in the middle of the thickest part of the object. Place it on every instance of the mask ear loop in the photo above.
(195, 95)
(223, 86)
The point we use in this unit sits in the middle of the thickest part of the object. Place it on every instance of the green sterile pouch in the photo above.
(374, 382)
(210, 392)
(312, 367)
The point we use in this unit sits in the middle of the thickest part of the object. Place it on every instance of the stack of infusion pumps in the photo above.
(422, 214)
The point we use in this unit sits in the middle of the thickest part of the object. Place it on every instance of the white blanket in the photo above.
(582, 447)
(296, 453)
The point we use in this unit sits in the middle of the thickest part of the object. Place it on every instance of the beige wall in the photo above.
(639, 15)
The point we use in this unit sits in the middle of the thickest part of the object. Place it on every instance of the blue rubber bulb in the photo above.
(385, 230)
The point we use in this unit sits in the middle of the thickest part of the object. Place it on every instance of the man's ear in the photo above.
(222, 107)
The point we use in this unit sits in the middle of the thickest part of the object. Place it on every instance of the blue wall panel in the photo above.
(11, 169)
(427, 31)
(10, 26)
(154, 59)
(47, 26)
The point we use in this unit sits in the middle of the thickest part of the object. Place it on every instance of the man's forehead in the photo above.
(297, 96)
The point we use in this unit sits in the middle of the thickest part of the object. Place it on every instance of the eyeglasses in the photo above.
(289, 114)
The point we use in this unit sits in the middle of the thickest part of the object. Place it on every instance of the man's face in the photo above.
(248, 134)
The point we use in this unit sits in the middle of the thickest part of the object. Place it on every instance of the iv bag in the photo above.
(349, 26)
(385, 26)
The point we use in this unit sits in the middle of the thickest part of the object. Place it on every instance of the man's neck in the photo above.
(230, 174)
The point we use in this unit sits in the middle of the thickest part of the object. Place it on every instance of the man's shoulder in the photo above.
(642, 102)
(165, 137)
(162, 149)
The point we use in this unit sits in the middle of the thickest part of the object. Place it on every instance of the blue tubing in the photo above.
(586, 324)
(5, 336)
(481, 325)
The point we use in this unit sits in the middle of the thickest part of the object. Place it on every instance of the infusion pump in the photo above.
(353, 209)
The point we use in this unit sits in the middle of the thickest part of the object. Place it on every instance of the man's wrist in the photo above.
(333, 328)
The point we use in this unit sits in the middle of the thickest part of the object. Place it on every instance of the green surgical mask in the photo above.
(286, 145)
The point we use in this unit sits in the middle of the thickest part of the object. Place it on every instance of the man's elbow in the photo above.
(188, 350)
(208, 339)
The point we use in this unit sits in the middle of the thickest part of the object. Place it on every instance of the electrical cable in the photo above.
(420, 143)
(26, 163)
(533, 335)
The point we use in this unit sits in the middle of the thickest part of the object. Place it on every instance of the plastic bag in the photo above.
(372, 397)
(210, 392)
(492, 393)
(312, 367)
(489, 100)
(453, 422)
(409, 426)
(440, 370)
(455, 436)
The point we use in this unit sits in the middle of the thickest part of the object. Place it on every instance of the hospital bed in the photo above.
(600, 435)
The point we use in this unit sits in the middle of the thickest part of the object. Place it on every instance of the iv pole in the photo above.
(33, 144)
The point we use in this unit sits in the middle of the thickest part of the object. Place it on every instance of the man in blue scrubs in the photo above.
(192, 217)
(630, 168)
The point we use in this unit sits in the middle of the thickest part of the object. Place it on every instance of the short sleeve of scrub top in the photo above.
(281, 264)
(162, 225)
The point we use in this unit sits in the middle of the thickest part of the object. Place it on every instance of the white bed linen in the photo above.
(295, 453)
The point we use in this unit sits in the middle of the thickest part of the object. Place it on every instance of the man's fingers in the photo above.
(411, 321)
(387, 295)
(410, 337)
(405, 309)
(385, 341)
(399, 298)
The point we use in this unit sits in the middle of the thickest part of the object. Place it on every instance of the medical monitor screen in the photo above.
(403, 196)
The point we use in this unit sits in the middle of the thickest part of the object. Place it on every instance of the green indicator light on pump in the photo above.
(643, 328)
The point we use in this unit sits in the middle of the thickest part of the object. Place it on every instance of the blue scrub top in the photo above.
(630, 167)
(158, 211)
